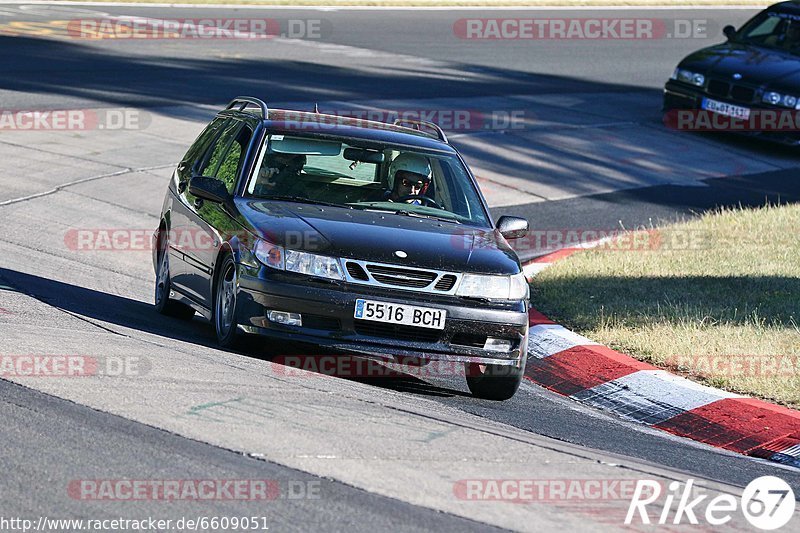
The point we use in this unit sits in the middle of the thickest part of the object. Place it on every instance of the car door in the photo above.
(220, 222)
(210, 223)
(181, 235)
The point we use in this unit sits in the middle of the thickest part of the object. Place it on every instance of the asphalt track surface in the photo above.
(66, 431)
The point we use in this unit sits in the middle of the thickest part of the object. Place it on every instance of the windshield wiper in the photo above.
(301, 199)
(407, 213)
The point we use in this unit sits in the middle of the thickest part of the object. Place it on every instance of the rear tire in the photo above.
(163, 303)
(494, 382)
(225, 324)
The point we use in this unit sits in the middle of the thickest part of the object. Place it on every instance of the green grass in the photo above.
(716, 299)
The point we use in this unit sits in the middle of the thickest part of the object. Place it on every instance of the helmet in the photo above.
(409, 162)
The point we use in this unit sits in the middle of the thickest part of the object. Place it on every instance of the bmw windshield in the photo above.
(772, 29)
(392, 179)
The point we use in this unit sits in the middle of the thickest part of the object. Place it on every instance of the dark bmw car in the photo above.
(754, 75)
(363, 237)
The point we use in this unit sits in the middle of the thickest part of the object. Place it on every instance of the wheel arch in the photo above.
(226, 248)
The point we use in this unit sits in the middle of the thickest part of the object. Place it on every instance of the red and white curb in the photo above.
(574, 366)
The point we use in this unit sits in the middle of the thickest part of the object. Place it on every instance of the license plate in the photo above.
(728, 110)
(408, 315)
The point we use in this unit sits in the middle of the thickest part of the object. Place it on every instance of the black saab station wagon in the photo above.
(362, 237)
(756, 70)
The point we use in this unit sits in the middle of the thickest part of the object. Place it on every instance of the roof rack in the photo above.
(242, 102)
(435, 127)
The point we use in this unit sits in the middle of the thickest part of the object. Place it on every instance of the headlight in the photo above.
(269, 254)
(771, 98)
(785, 100)
(493, 287)
(313, 265)
(686, 76)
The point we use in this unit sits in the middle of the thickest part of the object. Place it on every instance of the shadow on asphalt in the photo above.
(149, 78)
(133, 314)
(109, 73)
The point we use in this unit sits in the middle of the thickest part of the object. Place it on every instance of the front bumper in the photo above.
(678, 96)
(328, 308)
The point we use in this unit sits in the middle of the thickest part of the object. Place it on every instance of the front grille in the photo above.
(356, 271)
(427, 280)
(396, 331)
(742, 94)
(321, 322)
(469, 339)
(401, 277)
(723, 89)
(445, 283)
(718, 88)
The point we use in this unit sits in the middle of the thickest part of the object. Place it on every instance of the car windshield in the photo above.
(772, 29)
(391, 179)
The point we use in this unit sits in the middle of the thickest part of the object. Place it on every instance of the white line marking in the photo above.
(651, 396)
(82, 180)
(545, 340)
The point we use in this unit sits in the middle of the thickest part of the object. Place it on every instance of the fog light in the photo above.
(287, 319)
(497, 345)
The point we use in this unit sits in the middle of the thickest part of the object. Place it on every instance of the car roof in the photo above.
(786, 7)
(287, 121)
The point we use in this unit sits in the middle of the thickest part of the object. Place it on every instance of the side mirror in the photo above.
(512, 227)
(210, 189)
(729, 31)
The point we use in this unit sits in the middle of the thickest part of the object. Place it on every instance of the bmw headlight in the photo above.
(687, 76)
(493, 287)
(269, 254)
(321, 266)
(784, 100)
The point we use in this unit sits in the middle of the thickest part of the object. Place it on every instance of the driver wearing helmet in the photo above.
(409, 176)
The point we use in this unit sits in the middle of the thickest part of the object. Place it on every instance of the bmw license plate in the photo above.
(728, 110)
(408, 315)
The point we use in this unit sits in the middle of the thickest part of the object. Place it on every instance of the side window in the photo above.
(217, 153)
(772, 25)
(200, 144)
(231, 164)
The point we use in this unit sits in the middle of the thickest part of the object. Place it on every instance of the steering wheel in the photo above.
(422, 197)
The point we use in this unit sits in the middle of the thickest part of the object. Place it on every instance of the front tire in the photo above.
(163, 303)
(225, 304)
(494, 382)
